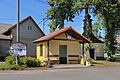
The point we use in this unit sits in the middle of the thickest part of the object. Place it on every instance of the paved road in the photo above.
(98, 73)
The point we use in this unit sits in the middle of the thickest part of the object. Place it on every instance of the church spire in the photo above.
(88, 28)
(87, 23)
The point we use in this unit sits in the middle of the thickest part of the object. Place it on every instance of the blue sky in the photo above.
(36, 9)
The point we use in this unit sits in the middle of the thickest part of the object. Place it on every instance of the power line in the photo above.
(43, 2)
(44, 20)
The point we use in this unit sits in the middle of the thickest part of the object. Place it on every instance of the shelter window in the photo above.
(41, 50)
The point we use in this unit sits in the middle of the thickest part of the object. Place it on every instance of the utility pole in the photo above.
(18, 20)
(18, 47)
(18, 28)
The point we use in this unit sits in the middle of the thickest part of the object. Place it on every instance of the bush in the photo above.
(16, 67)
(115, 58)
(29, 62)
(24, 61)
(11, 67)
(2, 58)
(10, 60)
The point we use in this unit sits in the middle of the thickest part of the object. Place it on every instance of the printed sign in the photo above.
(18, 49)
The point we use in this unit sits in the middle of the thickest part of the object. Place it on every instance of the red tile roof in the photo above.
(52, 35)
(118, 39)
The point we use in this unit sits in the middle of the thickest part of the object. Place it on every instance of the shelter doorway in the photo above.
(63, 54)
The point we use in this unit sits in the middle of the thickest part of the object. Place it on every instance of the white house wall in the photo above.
(28, 35)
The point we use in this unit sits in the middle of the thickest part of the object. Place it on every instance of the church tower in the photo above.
(88, 28)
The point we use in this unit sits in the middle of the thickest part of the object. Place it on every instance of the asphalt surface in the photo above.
(91, 73)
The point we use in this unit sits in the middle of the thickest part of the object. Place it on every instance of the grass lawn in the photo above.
(11, 67)
(17, 67)
(104, 63)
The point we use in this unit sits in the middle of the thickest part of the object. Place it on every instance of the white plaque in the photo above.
(18, 49)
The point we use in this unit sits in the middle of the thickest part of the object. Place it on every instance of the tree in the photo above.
(96, 29)
(60, 11)
(110, 12)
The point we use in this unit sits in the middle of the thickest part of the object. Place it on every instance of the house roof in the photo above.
(52, 35)
(3, 37)
(95, 39)
(118, 39)
(7, 32)
(92, 37)
(3, 28)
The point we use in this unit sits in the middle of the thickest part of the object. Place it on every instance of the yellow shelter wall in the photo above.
(44, 57)
(73, 48)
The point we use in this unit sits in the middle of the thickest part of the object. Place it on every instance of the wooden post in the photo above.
(48, 64)
(82, 59)
(83, 50)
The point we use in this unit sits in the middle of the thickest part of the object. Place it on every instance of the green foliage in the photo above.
(11, 67)
(15, 67)
(60, 11)
(29, 62)
(87, 47)
(90, 60)
(8, 53)
(117, 48)
(2, 58)
(10, 60)
(96, 28)
(114, 58)
(109, 12)
(24, 61)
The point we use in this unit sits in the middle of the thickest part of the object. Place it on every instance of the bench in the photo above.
(74, 61)
(54, 61)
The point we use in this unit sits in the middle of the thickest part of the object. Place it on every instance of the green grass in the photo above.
(11, 67)
(17, 67)
(4, 66)
(104, 63)
(116, 56)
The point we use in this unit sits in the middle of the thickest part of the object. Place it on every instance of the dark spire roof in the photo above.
(88, 29)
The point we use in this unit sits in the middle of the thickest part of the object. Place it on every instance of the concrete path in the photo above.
(68, 66)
